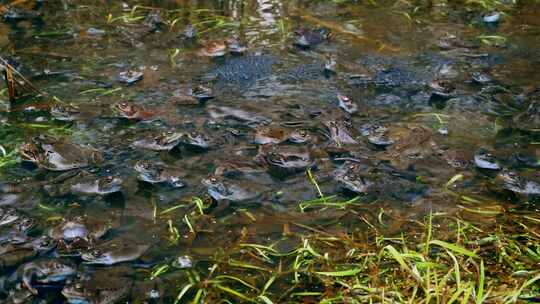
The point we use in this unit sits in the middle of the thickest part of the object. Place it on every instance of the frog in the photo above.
(308, 38)
(347, 104)
(235, 47)
(330, 65)
(222, 190)
(354, 177)
(441, 90)
(104, 286)
(189, 33)
(265, 135)
(129, 77)
(10, 192)
(299, 136)
(16, 232)
(286, 160)
(19, 295)
(131, 111)
(250, 118)
(195, 95)
(213, 49)
(164, 141)
(115, 251)
(340, 138)
(196, 140)
(12, 254)
(65, 112)
(12, 13)
(8, 216)
(483, 159)
(53, 154)
(376, 134)
(42, 271)
(516, 183)
(157, 173)
(85, 184)
(89, 228)
(237, 168)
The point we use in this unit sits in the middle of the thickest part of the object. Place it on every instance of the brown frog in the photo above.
(85, 184)
(42, 271)
(132, 111)
(286, 160)
(104, 286)
(164, 141)
(56, 155)
(115, 251)
(12, 254)
(156, 173)
(80, 227)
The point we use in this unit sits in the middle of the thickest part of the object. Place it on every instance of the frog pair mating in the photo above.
(52, 154)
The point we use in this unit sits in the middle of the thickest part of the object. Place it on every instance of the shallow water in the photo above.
(388, 57)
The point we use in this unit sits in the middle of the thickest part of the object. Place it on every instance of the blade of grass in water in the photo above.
(454, 248)
(229, 277)
(341, 273)
(233, 292)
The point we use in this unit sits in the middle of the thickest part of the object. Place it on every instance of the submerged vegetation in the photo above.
(480, 254)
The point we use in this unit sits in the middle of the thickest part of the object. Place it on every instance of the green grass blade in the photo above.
(233, 292)
(342, 273)
(182, 293)
(454, 248)
(481, 281)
